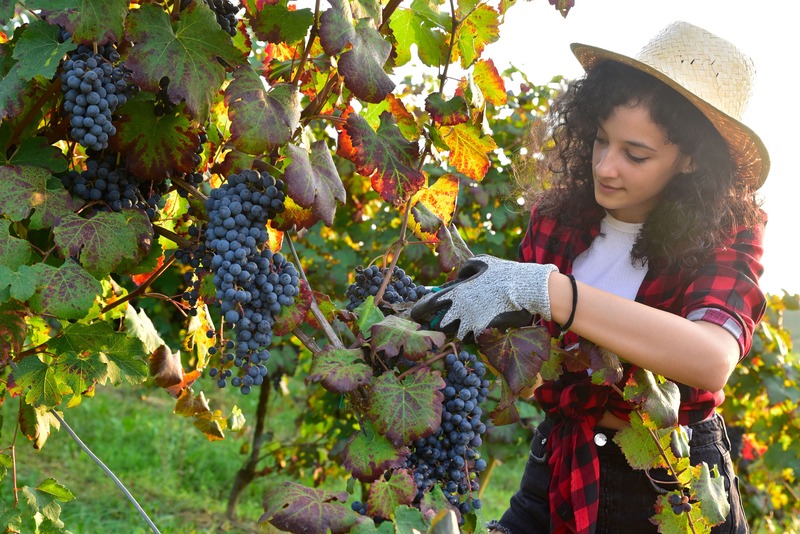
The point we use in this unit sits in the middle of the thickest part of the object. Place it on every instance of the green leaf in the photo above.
(295, 508)
(517, 354)
(22, 283)
(447, 113)
(67, 292)
(638, 445)
(339, 370)
(276, 23)
(261, 120)
(394, 335)
(41, 381)
(126, 359)
(106, 240)
(37, 152)
(478, 29)
(35, 423)
(39, 52)
(155, 146)
(362, 65)
(422, 25)
(384, 156)
(368, 315)
(186, 54)
(80, 373)
(313, 181)
(659, 398)
(139, 325)
(409, 409)
(709, 489)
(409, 520)
(55, 490)
(668, 522)
(386, 495)
(368, 454)
(24, 188)
(95, 21)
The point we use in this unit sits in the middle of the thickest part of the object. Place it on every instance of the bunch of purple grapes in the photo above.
(680, 503)
(368, 280)
(225, 12)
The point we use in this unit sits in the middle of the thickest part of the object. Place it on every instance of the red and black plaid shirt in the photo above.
(726, 289)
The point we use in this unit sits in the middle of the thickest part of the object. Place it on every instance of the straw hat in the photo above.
(709, 71)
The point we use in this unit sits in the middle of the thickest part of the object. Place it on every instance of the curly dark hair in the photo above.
(697, 210)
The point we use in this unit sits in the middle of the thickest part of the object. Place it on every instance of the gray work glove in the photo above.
(489, 292)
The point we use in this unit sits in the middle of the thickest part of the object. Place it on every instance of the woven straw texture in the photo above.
(711, 73)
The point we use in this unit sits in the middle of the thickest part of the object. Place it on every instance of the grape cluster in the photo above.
(680, 503)
(110, 184)
(225, 12)
(93, 88)
(253, 284)
(369, 280)
(449, 456)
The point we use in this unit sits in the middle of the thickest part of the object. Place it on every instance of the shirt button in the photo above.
(600, 439)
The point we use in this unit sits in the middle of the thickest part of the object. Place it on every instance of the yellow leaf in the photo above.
(468, 149)
(440, 199)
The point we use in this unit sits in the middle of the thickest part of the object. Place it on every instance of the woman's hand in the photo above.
(489, 292)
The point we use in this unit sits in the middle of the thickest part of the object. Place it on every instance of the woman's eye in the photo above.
(635, 159)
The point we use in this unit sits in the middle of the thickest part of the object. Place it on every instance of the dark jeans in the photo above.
(627, 496)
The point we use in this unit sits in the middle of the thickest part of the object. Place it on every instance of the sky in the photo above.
(535, 38)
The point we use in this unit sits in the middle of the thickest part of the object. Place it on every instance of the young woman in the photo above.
(647, 242)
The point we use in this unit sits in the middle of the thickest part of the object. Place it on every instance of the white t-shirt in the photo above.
(607, 264)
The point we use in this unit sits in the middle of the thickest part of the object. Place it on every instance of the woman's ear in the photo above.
(687, 165)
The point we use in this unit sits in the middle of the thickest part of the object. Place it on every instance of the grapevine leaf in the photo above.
(517, 353)
(452, 249)
(326, 306)
(605, 365)
(394, 335)
(505, 412)
(478, 29)
(638, 445)
(197, 339)
(42, 500)
(295, 508)
(155, 147)
(106, 240)
(13, 331)
(80, 373)
(22, 283)
(362, 65)
(709, 489)
(668, 522)
(406, 121)
(490, 82)
(125, 357)
(41, 381)
(420, 25)
(293, 216)
(295, 315)
(407, 410)
(368, 315)
(67, 292)
(261, 120)
(23, 188)
(447, 113)
(37, 152)
(368, 9)
(336, 27)
(438, 200)
(409, 519)
(469, 149)
(38, 50)
(339, 370)
(186, 54)
(211, 424)
(386, 495)
(165, 367)
(55, 490)
(369, 454)
(139, 325)
(35, 422)
(313, 181)
(276, 23)
(384, 156)
(95, 21)
(658, 399)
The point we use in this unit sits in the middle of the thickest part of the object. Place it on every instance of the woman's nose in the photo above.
(605, 162)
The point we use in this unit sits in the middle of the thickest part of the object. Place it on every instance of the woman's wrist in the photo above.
(561, 297)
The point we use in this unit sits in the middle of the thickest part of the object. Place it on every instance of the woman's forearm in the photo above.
(698, 354)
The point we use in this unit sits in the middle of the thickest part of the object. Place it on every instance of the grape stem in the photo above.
(141, 289)
(107, 471)
(183, 184)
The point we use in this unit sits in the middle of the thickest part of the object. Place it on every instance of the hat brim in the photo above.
(748, 151)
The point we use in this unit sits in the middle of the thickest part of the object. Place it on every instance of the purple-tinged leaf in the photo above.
(658, 398)
(639, 446)
(386, 495)
(261, 120)
(339, 370)
(368, 454)
(295, 315)
(94, 21)
(425, 221)
(394, 335)
(105, 241)
(67, 292)
(13, 330)
(362, 65)
(313, 181)
(447, 113)
(451, 249)
(505, 412)
(384, 156)
(406, 410)
(186, 53)
(39, 380)
(336, 27)
(276, 23)
(23, 189)
(605, 365)
(295, 508)
(517, 353)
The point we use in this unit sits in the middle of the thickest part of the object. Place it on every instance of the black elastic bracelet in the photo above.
(574, 303)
